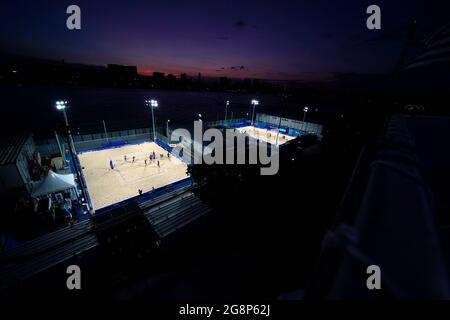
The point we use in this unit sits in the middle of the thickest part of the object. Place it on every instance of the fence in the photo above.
(295, 127)
(292, 124)
(86, 142)
(226, 122)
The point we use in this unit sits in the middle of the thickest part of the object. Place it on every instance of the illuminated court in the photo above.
(266, 135)
(108, 186)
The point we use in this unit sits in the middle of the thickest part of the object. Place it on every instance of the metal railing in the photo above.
(261, 118)
(85, 142)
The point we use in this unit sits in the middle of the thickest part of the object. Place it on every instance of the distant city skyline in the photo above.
(282, 40)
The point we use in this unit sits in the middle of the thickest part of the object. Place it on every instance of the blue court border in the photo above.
(139, 198)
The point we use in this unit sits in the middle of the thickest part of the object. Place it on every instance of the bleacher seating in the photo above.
(394, 227)
(167, 213)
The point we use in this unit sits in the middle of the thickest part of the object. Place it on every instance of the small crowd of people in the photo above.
(153, 157)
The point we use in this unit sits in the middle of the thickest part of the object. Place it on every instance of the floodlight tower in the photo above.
(305, 111)
(152, 104)
(226, 109)
(254, 103)
(61, 106)
(167, 128)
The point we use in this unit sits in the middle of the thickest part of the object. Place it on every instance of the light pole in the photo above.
(167, 129)
(278, 132)
(63, 156)
(226, 109)
(254, 103)
(152, 104)
(305, 110)
(106, 132)
(61, 105)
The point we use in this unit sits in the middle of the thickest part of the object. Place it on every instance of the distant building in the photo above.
(183, 77)
(247, 83)
(15, 155)
(122, 75)
(225, 83)
(158, 78)
(171, 81)
(121, 70)
(199, 77)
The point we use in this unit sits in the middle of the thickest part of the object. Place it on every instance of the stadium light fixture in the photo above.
(61, 105)
(254, 103)
(305, 110)
(226, 109)
(152, 104)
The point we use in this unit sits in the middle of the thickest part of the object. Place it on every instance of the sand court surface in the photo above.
(108, 186)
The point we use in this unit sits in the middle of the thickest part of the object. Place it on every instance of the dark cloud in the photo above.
(223, 38)
(239, 24)
(234, 68)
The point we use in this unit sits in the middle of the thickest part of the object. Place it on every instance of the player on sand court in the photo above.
(111, 164)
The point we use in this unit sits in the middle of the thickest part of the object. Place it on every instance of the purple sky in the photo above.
(258, 39)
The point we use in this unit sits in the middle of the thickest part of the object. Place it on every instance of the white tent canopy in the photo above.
(53, 183)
